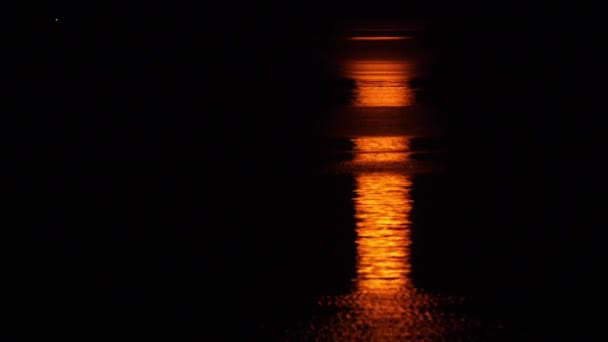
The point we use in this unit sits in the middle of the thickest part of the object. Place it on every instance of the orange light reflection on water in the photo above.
(381, 83)
(375, 150)
(384, 304)
(377, 38)
(382, 207)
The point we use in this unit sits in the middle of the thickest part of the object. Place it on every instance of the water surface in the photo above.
(381, 130)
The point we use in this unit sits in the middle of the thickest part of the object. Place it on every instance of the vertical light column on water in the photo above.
(382, 201)
(382, 206)
(384, 304)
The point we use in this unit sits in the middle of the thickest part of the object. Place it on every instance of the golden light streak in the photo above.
(378, 38)
(382, 207)
(380, 83)
(374, 150)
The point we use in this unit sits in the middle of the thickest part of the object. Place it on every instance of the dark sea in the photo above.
(279, 180)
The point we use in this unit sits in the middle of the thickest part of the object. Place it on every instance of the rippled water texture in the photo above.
(380, 82)
(383, 304)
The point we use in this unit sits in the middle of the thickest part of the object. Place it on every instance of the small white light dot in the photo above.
(56, 20)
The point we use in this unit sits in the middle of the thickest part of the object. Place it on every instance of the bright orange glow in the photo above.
(382, 207)
(384, 305)
(374, 150)
(380, 38)
(381, 83)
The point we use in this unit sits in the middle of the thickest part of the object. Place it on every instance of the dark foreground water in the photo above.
(220, 193)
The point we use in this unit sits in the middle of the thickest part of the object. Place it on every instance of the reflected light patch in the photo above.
(382, 206)
(381, 83)
(382, 209)
(379, 38)
(384, 304)
(374, 150)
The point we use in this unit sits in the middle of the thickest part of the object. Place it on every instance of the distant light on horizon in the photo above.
(379, 38)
